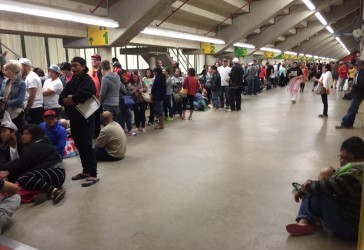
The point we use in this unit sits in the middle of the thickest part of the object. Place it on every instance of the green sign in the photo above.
(280, 56)
(240, 52)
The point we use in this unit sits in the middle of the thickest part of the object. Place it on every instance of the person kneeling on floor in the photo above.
(9, 201)
(334, 200)
(39, 168)
(111, 143)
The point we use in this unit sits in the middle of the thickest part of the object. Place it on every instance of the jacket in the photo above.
(57, 134)
(159, 88)
(216, 82)
(136, 90)
(81, 88)
(17, 93)
(110, 88)
(39, 155)
(358, 87)
(250, 72)
(236, 76)
(5, 149)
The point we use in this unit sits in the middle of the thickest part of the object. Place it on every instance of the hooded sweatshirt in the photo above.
(57, 135)
(110, 87)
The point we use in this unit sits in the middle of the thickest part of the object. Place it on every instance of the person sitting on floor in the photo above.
(12, 145)
(335, 198)
(9, 202)
(111, 143)
(54, 131)
(39, 168)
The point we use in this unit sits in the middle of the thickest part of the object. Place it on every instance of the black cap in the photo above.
(80, 60)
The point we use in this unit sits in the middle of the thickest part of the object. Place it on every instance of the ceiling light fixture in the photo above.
(181, 35)
(245, 45)
(309, 4)
(301, 54)
(290, 53)
(36, 10)
(337, 39)
(320, 18)
(270, 49)
(330, 29)
(308, 55)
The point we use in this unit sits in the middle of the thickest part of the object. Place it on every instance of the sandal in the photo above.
(90, 181)
(80, 176)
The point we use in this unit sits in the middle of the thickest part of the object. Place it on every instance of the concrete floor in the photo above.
(221, 181)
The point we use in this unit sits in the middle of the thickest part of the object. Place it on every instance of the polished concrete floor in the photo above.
(220, 181)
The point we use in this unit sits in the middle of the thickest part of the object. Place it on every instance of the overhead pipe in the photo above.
(230, 16)
(98, 6)
(173, 11)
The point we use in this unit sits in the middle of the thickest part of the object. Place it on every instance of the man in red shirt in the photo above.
(343, 74)
(95, 74)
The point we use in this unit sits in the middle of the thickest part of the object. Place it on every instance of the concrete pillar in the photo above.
(209, 59)
(152, 62)
(105, 53)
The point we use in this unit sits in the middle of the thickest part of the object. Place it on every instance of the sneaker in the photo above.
(58, 195)
(293, 101)
(169, 119)
(150, 124)
(228, 110)
(342, 127)
(322, 116)
(132, 133)
(40, 198)
(144, 130)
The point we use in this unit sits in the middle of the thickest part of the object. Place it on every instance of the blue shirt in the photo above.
(57, 134)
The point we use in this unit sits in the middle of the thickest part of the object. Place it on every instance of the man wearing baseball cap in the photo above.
(33, 102)
(357, 97)
(78, 90)
(12, 145)
(236, 76)
(51, 89)
(54, 131)
(96, 75)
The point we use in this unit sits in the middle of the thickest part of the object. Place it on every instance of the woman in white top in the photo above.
(326, 81)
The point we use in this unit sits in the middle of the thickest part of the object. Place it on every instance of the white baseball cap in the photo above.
(235, 60)
(25, 61)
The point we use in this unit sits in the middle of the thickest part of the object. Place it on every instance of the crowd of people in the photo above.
(40, 115)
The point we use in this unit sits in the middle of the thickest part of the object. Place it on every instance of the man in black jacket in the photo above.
(215, 87)
(12, 145)
(357, 97)
(236, 77)
(78, 90)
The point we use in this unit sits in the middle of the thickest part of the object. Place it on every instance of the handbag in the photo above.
(128, 100)
(177, 97)
(183, 91)
(147, 97)
(320, 90)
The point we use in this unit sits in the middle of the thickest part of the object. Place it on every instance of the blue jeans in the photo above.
(224, 91)
(349, 118)
(216, 99)
(124, 117)
(250, 86)
(323, 207)
(256, 84)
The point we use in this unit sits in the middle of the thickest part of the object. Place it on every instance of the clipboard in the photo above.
(293, 73)
(89, 107)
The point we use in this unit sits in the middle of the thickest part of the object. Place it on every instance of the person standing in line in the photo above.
(335, 73)
(110, 88)
(215, 87)
(67, 73)
(236, 76)
(326, 81)
(33, 101)
(51, 89)
(249, 76)
(357, 97)
(351, 72)
(78, 90)
(159, 95)
(191, 84)
(224, 72)
(176, 89)
(96, 75)
(343, 74)
(270, 73)
(168, 112)
(136, 88)
(148, 79)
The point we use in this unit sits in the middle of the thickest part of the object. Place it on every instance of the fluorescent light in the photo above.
(338, 39)
(181, 35)
(309, 4)
(308, 55)
(270, 49)
(301, 54)
(330, 29)
(320, 18)
(37, 10)
(290, 53)
(244, 45)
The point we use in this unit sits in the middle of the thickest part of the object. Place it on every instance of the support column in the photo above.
(105, 53)
(152, 62)
(209, 59)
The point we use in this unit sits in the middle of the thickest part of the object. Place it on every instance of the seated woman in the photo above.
(335, 198)
(39, 168)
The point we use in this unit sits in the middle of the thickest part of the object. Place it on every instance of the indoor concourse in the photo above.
(220, 181)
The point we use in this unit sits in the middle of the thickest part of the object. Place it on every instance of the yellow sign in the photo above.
(97, 35)
(208, 48)
(269, 54)
(287, 56)
(296, 57)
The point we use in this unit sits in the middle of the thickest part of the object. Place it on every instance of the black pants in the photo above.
(35, 116)
(139, 114)
(235, 98)
(302, 86)
(209, 94)
(114, 110)
(97, 126)
(177, 107)
(82, 132)
(151, 113)
(102, 155)
(324, 102)
(43, 179)
(19, 121)
(189, 99)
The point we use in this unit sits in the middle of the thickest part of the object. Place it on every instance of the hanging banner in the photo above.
(240, 52)
(269, 54)
(208, 48)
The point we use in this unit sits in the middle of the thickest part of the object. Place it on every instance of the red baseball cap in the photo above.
(49, 113)
(97, 56)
